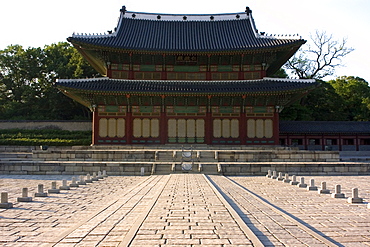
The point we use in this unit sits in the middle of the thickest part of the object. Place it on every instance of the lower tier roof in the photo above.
(265, 85)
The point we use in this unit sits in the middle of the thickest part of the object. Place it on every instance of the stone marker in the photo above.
(286, 178)
(54, 189)
(82, 180)
(142, 171)
(274, 176)
(88, 179)
(355, 198)
(94, 178)
(337, 193)
(312, 186)
(280, 177)
(4, 203)
(294, 180)
(64, 185)
(105, 173)
(100, 176)
(323, 189)
(269, 174)
(40, 191)
(73, 184)
(25, 197)
(301, 184)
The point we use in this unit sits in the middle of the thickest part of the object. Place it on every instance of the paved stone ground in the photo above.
(346, 224)
(184, 210)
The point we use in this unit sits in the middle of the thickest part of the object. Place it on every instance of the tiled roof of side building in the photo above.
(186, 33)
(167, 86)
(302, 127)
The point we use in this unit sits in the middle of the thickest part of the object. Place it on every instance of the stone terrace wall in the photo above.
(62, 125)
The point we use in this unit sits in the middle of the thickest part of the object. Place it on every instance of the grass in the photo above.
(21, 137)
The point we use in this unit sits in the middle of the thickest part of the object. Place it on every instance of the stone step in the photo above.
(15, 155)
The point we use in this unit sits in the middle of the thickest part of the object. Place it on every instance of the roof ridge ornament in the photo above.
(123, 9)
(248, 10)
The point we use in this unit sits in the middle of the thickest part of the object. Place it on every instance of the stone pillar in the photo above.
(323, 189)
(82, 180)
(25, 197)
(355, 198)
(280, 177)
(88, 178)
(73, 183)
(53, 189)
(142, 171)
(312, 186)
(64, 185)
(294, 180)
(286, 178)
(269, 174)
(4, 203)
(40, 191)
(274, 176)
(94, 178)
(105, 173)
(337, 193)
(301, 183)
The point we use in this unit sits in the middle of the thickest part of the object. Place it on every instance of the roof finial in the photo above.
(123, 10)
(248, 10)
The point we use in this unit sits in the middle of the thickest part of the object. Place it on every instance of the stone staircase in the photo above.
(132, 160)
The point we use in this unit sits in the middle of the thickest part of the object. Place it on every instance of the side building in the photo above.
(169, 78)
(326, 135)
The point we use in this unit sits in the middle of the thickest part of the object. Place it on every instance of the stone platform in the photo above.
(132, 160)
(184, 210)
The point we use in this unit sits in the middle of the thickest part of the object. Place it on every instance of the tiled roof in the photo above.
(166, 86)
(311, 127)
(158, 32)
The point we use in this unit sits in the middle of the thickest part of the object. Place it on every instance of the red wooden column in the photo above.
(131, 70)
(208, 73)
(109, 70)
(241, 74)
(129, 127)
(163, 124)
(243, 124)
(208, 123)
(95, 127)
(276, 127)
(164, 72)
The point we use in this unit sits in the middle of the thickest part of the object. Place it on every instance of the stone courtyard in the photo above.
(184, 210)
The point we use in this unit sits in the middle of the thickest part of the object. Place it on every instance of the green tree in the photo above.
(22, 80)
(64, 61)
(27, 79)
(355, 92)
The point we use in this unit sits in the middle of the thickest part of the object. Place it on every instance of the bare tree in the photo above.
(322, 56)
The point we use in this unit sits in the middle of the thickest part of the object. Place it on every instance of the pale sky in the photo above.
(35, 23)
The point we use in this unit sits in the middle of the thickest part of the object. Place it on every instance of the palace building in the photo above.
(186, 79)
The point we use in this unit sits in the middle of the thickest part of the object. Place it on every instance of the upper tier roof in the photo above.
(186, 33)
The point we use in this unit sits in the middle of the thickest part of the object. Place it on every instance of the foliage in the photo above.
(281, 73)
(27, 79)
(322, 55)
(21, 137)
(355, 93)
(342, 99)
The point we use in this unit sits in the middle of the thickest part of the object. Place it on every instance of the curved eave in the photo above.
(124, 87)
(247, 50)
